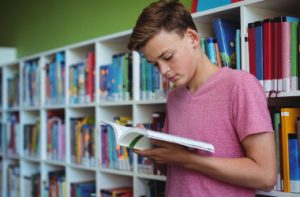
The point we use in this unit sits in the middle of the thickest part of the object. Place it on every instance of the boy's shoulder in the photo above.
(238, 76)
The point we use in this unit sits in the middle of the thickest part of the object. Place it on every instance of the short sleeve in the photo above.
(250, 110)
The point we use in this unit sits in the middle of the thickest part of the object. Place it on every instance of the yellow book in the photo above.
(288, 124)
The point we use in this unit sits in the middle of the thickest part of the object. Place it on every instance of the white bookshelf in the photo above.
(140, 110)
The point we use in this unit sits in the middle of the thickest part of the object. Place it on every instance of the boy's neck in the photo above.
(204, 71)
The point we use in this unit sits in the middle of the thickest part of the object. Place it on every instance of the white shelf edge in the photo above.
(277, 193)
(82, 167)
(117, 172)
(151, 176)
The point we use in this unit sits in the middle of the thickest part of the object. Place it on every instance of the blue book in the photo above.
(259, 51)
(211, 51)
(238, 49)
(209, 4)
(294, 164)
(225, 31)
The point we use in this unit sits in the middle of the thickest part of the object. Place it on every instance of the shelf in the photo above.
(151, 177)
(150, 102)
(32, 159)
(276, 193)
(81, 167)
(117, 172)
(56, 163)
(140, 111)
(114, 103)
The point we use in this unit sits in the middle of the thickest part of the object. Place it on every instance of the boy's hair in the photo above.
(168, 15)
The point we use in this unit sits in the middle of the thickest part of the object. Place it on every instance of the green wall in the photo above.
(36, 26)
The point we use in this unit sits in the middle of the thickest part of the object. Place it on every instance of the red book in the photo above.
(251, 44)
(91, 77)
(286, 54)
(268, 53)
(194, 6)
(234, 1)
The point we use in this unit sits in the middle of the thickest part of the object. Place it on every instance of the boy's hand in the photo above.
(165, 153)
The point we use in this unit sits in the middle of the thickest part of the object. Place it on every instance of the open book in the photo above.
(138, 138)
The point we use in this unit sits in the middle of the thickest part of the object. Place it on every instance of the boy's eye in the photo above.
(168, 57)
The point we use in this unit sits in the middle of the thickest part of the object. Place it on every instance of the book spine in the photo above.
(286, 53)
(259, 50)
(268, 53)
(251, 46)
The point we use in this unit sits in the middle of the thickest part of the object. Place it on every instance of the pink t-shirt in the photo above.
(230, 106)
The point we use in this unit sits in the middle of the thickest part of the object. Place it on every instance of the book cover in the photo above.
(138, 138)
(209, 4)
(294, 163)
(225, 33)
(288, 121)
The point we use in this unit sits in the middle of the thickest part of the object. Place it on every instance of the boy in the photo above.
(224, 107)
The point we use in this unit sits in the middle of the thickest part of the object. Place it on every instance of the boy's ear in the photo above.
(193, 36)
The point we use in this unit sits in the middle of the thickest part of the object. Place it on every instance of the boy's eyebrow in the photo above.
(158, 57)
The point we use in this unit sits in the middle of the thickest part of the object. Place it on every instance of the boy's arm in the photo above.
(256, 170)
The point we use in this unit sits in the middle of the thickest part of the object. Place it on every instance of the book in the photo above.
(289, 122)
(225, 31)
(208, 4)
(268, 55)
(259, 58)
(139, 138)
(294, 163)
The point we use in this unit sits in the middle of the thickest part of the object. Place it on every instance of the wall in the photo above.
(36, 26)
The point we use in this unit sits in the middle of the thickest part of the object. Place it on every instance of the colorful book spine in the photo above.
(294, 54)
(225, 31)
(259, 50)
(211, 51)
(251, 47)
(286, 54)
(294, 156)
(289, 122)
(268, 53)
(238, 49)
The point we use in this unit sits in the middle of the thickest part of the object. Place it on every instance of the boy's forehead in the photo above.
(159, 43)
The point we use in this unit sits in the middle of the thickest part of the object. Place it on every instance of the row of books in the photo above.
(82, 81)
(12, 135)
(83, 189)
(31, 137)
(55, 80)
(56, 137)
(55, 185)
(12, 90)
(31, 83)
(83, 141)
(32, 185)
(13, 180)
(155, 189)
(273, 52)
(117, 192)
(114, 156)
(287, 136)
(116, 78)
(152, 84)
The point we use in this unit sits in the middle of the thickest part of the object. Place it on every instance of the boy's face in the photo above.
(175, 56)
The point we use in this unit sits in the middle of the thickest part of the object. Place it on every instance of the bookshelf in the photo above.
(58, 107)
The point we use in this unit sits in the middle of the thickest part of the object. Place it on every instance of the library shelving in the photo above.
(51, 103)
